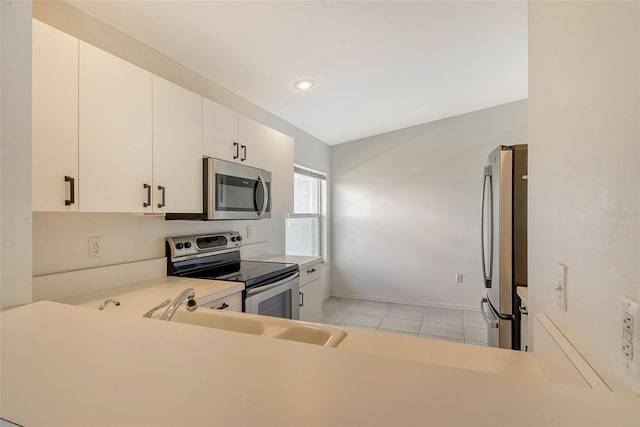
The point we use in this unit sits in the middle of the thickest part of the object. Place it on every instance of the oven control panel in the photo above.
(189, 246)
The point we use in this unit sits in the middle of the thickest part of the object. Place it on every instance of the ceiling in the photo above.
(379, 66)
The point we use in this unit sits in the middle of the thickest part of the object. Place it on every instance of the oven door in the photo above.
(277, 299)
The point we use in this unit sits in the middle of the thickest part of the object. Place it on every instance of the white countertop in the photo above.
(302, 261)
(137, 298)
(523, 293)
(68, 366)
(516, 364)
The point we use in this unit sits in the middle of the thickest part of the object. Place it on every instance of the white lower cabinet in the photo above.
(311, 294)
(231, 302)
(524, 326)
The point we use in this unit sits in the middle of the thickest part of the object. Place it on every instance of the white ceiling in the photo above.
(379, 66)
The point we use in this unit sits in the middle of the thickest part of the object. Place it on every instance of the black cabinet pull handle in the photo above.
(237, 146)
(163, 190)
(244, 153)
(313, 270)
(72, 191)
(223, 306)
(148, 202)
(301, 299)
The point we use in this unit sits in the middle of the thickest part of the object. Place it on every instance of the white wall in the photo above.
(60, 240)
(15, 153)
(406, 208)
(317, 156)
(584, 186)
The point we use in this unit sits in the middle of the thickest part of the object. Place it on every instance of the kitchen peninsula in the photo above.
(66, 365)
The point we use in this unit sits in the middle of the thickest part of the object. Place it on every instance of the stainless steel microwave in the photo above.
(232, 191)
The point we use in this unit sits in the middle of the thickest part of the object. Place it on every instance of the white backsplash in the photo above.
(60, 240)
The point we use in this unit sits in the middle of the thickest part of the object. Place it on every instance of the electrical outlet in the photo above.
(249, 229)
(459, 277)
(627, 349)
(630, 339)
(627, 323)
(95, 246)
(561, 286)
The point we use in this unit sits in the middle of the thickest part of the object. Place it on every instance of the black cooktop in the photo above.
(252, 273)
(230, 267)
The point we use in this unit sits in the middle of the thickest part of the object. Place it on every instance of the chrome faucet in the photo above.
(109, 301)
(189, 294)
(157, 307)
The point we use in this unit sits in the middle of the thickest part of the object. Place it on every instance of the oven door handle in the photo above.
(263, 288)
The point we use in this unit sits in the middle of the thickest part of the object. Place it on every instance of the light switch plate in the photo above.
(630, 339)
(561, 286)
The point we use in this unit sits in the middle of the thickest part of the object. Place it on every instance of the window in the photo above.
(306, 226)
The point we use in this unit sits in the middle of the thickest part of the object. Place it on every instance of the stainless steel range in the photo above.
(270, 288)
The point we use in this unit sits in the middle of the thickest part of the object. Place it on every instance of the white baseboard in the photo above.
(55, 287)
(405, 301)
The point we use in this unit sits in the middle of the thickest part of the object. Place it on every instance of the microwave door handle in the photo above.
(487, 278)
(265, 198)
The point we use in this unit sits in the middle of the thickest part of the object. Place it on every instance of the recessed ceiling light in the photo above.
(304, 84)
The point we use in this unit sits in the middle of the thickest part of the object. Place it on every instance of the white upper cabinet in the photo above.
(271, 150)
(258, 138)
(115, 102)
(220, 132)
(109, 136)
(177, 148)
(54, 120)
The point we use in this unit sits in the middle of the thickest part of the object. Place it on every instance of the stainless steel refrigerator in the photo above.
(504, 243)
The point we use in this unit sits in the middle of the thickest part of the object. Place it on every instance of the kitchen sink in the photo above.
(292, 330)
(219, 320)
(310, 334)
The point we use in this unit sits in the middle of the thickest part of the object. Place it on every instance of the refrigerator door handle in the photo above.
(497, 314)
(491, 322)
(486, 277)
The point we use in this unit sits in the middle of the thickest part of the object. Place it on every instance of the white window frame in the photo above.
(322, 207)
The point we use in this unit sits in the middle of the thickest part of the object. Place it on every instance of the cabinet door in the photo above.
(54, 119)
(220, 132)
(177, 148)
(271, 150)
(311, 301)
(115, 133)
(232, 302)
(524, 328)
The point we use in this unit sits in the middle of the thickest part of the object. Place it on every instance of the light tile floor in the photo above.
(464, 326)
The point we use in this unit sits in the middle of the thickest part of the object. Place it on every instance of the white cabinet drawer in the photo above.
(231, 302)
(310, 274)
